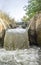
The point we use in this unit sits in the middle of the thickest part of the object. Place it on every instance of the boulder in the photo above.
(16, 39)
(38, 29)
(32, 32)
(35, 30)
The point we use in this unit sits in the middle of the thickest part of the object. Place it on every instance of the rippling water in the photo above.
(29, 56)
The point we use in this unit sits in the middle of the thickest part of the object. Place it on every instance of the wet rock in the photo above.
(16, 39)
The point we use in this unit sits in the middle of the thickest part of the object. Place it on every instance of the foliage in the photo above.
(24, 19)
(34, 6)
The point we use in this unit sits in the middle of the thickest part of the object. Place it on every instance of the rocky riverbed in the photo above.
(31, 56)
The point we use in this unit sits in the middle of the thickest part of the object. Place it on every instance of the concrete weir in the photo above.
(16, 39)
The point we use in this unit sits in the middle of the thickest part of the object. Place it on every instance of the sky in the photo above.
(15, 8)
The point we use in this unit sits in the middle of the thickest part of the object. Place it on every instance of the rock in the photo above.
(32, 32)
(38, 29)
(16, 39)
(35, 30)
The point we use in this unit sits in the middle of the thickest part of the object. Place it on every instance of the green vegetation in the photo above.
(24, 19)
(33, 7)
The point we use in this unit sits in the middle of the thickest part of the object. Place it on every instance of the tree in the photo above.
(34, 6)
(24, 19)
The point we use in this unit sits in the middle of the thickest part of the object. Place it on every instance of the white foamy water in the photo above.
(19, 57)
(17, 30)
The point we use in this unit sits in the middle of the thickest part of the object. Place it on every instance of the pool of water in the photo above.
(29, 56)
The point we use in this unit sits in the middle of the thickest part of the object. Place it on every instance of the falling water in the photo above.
(30, 56)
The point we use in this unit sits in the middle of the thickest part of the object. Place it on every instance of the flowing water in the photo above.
(39, 56)
(29, 56)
